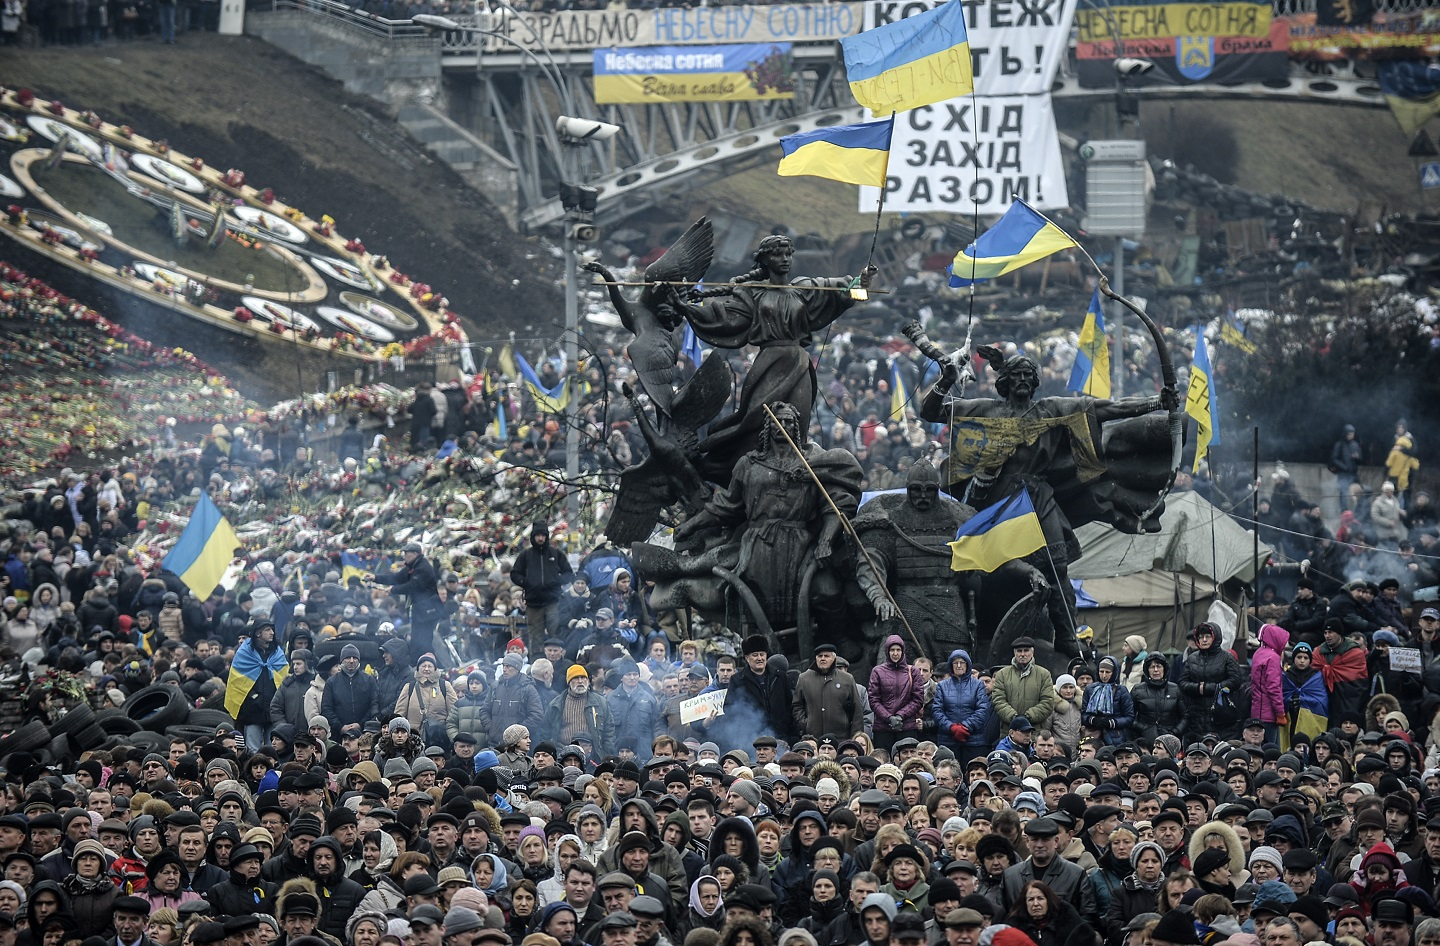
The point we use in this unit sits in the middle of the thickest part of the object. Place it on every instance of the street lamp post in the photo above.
(579, 202)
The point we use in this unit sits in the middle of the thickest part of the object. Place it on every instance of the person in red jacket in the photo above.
(897, 693)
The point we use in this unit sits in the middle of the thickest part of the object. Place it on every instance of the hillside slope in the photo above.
(238, 102)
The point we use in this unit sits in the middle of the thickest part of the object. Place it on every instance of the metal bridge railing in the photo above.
(353, 18)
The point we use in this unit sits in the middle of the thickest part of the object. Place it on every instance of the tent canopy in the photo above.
(1159, 585)
(1195, 538)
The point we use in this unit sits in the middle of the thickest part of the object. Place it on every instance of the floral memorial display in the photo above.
(164, 234)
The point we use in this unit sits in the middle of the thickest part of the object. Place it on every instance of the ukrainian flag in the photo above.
(1200, 401)
(1091, 374)
(854, 154)
(353, 566)
(205, 549)
(917, 61)
(1233, 333)
(498, 428)
(1008, 530)
(245, 670)
(899, 391)
(552, 400)
(1019, 238)
(690, 345)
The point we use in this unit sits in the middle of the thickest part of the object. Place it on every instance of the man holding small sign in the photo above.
(1395, 669)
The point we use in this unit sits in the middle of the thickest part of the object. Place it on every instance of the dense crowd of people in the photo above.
(1273, 791)
(453, 719)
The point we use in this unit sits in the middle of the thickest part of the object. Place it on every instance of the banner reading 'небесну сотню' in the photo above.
(694, 73)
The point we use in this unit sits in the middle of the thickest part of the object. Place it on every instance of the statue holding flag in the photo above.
(1052, 447)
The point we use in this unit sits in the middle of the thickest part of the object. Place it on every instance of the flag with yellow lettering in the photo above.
(917, 61)
(1200, 401)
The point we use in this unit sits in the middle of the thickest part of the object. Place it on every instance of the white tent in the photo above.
(1160, 585)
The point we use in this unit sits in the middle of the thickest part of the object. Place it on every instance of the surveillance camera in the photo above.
(584, 129)
(1130, 68)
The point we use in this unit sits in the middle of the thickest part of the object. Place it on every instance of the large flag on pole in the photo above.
(917, 61)
(854, 154)
(1001, 533)
(1200, 401)
(1091, 374)
(1022, 236)
(205, 549)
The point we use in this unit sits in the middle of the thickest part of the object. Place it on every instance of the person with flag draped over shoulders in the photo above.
(1019, 442)
(256, 672)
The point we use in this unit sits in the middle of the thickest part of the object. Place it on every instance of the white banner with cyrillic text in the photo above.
(977, 154)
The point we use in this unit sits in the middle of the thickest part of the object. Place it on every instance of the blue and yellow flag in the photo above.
(1019, 238)
(205, 549)
(1091, 374)
(551, 400)
(917, 61)
(690, 345)
(245, 670)
(899, 391)
(1232, 333)
(1200, 401)
(1001, 533)
(854, 154)
(353, 566)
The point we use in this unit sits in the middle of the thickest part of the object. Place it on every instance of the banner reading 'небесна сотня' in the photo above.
(694, 73)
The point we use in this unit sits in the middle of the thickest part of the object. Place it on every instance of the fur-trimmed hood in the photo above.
(826, 768)
(1198, 843)
(296, 885)
(1379, 706)
(492, 820)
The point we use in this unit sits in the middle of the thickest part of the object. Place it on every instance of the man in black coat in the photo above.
(422, 415)
(1352, 607)
(243, 892)
(541, 572)
(757, 702)
(1306, 618)
(339, 895)
(350, 694)
(417, 580)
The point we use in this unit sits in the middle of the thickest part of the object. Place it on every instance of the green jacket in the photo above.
(1031, 695)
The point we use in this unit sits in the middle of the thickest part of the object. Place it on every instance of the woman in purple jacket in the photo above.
(897, 694)
(961, 709)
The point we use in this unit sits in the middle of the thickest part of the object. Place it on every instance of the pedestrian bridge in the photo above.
(507, 76)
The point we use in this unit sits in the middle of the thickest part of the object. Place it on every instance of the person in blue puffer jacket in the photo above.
(961, 709)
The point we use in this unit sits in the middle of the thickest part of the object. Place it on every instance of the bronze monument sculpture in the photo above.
(763, 536)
